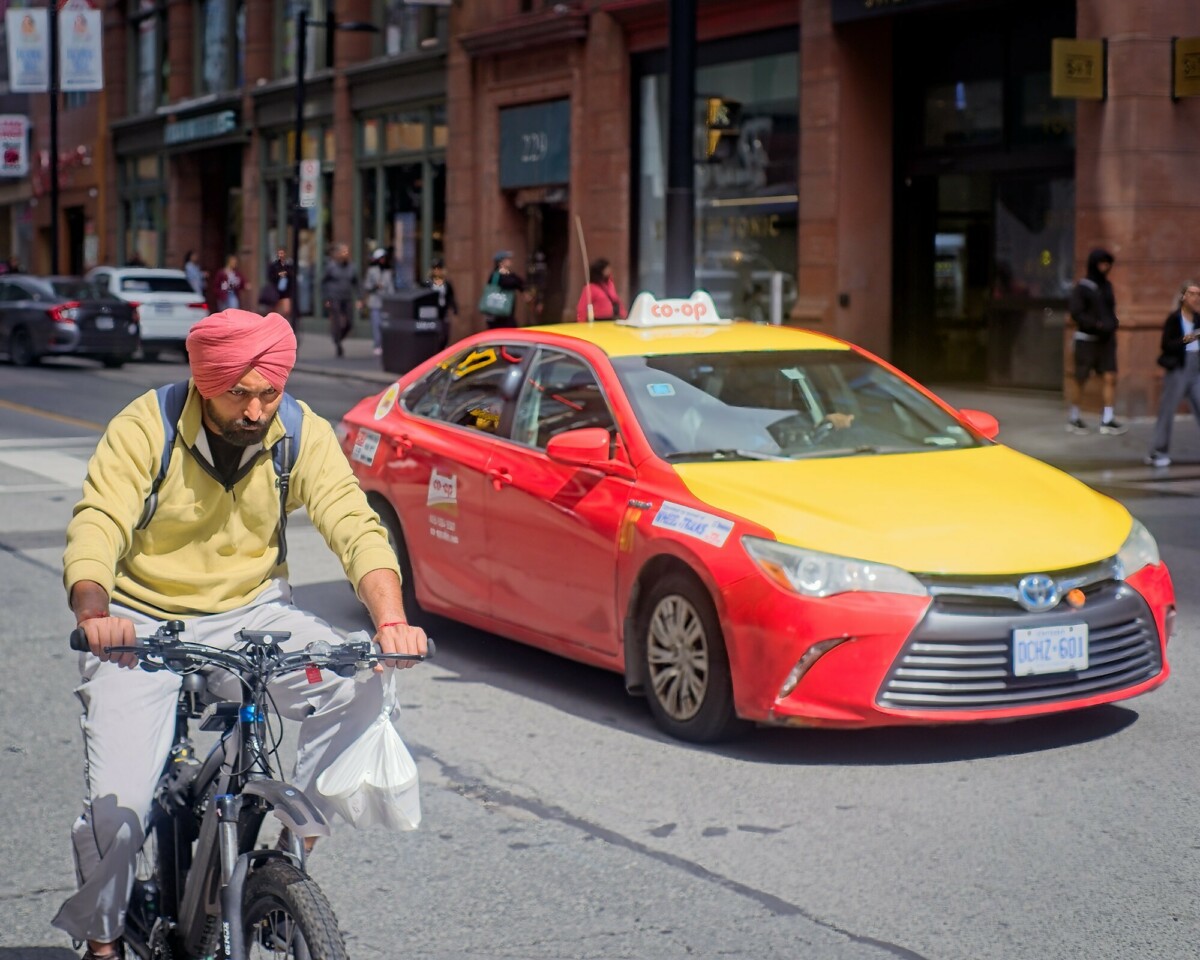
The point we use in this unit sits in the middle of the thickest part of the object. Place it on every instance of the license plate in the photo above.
(104, 323)
(1058, 649)
(165, 307)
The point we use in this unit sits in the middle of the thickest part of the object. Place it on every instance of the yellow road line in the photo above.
(58, 417)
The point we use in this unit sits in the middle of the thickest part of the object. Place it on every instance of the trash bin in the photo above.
(411, 327)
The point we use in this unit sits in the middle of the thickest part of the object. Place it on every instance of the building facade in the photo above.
(895, 172)
(194, 137)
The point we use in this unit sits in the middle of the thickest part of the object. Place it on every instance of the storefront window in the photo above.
(745, 184)
(143, 231)
(964, 113)
(402, 184)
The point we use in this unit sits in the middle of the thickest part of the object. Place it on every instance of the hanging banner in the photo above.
(28, 49)
(81, 63)
(14, 145)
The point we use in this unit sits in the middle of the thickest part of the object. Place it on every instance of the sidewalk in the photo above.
(1030, 421)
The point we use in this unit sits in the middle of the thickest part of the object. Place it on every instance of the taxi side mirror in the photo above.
(981, 422)
(588, 447)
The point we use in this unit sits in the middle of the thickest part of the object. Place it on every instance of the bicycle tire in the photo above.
(276, 892)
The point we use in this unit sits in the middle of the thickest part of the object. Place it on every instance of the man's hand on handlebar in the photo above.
(105, 632)
(401, 638)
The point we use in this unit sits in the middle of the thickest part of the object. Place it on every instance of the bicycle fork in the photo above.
(233, 875)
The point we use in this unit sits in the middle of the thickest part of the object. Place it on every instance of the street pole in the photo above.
(297, 154)
(53, 139)
(681, 177)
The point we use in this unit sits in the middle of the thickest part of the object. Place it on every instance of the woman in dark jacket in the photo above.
(502, 276)
(1181, 359)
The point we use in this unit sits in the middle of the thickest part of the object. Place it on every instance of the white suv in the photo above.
(167, 304)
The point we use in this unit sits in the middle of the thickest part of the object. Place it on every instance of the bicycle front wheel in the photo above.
(286, 915)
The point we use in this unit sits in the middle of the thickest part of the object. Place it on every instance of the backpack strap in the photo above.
(171, 400)
(283, 455)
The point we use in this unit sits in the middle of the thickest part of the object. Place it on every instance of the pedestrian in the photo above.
(339, 288)
(135, 260)
(195, 276)
(447, 302)
(376, 283)
(599, 299)
(1180, 358)
(230, 285)
(499, 301)
(279, 276)
(1093, 307)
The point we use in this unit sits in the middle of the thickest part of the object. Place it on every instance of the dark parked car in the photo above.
(64, 316)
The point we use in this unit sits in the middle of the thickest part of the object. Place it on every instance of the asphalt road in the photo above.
(560, 824)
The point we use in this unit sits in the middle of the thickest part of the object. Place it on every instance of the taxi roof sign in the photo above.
(698, 309)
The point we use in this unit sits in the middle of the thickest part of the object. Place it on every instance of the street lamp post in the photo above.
(329, 24)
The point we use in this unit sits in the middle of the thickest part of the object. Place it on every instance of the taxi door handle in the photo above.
(402, 445)
(499, 478)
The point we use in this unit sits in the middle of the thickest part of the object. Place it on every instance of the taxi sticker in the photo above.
(443, 492)
(387, 401)
(693, 523)
(660, 389)
(365, 445)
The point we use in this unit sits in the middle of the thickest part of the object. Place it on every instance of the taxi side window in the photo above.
(561, 393)
(475, 385)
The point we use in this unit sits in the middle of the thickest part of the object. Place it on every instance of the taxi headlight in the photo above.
(1139, 550)
(814, 574)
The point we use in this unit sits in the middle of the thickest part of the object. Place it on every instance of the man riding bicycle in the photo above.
(211, 553)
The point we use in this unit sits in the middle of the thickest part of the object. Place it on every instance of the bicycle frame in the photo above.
(235, 790)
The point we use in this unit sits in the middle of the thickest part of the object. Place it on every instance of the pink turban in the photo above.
(223, 346)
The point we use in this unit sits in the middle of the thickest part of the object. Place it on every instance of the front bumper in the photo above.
(915, 660)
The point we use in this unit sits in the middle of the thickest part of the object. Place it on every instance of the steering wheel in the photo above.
(820, 432)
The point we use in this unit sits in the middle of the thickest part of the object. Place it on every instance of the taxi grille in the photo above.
(961, 658)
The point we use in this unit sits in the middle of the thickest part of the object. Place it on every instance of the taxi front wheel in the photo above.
(687, 671)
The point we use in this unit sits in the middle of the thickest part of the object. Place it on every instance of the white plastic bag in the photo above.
(374, 781)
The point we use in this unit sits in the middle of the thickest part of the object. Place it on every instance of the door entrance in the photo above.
(985, 265)
(548, 241)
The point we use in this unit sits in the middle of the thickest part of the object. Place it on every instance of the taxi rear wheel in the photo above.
(408, 589)
(688, 683)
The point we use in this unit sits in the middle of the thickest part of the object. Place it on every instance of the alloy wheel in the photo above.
(678, 657)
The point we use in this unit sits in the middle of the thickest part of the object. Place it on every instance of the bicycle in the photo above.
(202, 888)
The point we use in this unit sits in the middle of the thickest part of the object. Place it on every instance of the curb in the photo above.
(370, 376)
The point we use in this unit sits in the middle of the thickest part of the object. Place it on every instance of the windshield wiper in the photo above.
(722, 454)
(861, 450)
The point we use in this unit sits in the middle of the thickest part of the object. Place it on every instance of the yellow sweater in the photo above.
(208, 549)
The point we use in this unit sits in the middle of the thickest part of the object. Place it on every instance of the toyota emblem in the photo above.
(1037, 592)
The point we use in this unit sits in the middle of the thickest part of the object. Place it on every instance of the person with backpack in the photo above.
(183, 518)
(1093, 308)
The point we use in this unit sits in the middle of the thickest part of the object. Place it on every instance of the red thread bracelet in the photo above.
(393, 623)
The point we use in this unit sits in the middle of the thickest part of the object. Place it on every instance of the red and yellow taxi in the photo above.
(755, 524)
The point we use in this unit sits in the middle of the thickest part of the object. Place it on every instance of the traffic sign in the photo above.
(310, 180)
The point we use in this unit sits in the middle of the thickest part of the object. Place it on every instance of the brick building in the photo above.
(190, 145)
(895, 172)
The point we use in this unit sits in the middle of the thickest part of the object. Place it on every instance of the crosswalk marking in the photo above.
(60, 467)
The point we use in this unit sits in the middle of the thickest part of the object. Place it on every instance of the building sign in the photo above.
(81, 65)
(14, 145)
(535, 144)
(1185, 58)
(200, 128)
(844, 11)
(310, 182)
(28, 49)
(1077, 69)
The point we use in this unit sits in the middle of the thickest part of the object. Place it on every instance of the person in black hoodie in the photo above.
(1093, 307)
(1181, 359)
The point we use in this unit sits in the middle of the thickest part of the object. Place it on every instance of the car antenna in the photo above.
(587, 277)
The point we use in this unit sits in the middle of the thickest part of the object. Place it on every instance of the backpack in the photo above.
(1094, 319)
(171, 400)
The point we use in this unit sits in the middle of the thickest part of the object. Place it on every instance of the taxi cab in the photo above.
(755, 524)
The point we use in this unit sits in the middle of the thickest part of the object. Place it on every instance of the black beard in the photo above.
(240, 433)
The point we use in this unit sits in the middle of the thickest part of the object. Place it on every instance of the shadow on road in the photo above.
(599, 696)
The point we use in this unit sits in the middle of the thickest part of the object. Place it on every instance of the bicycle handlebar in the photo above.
(339, 657)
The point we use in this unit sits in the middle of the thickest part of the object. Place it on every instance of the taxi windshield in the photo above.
(781, 405)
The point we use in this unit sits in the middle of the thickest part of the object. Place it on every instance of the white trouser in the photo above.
(128, 725)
